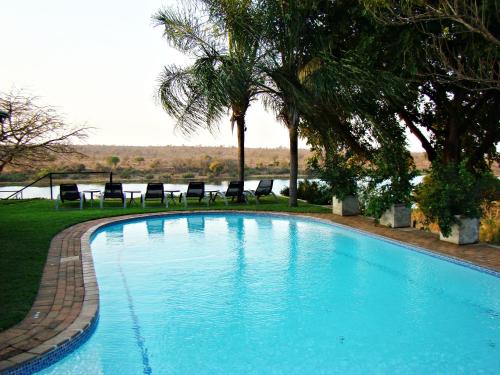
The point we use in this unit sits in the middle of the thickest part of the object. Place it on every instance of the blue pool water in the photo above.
(257, 294)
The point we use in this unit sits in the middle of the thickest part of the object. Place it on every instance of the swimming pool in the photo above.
(250, 293)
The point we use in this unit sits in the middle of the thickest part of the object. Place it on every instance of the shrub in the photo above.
(453, 190)
(341, 169)
(389, 177)
(13, 177)
(311, 191)
(314, 192)
(215, 168)
(128, 172)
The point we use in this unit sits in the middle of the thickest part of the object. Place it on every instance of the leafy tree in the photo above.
(323, 79)
(113, 160)
(31, 133)
(446, 54)
(340, 168)
(463, 35)
(216, 168)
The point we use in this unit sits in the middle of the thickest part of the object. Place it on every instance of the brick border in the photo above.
(67, 304)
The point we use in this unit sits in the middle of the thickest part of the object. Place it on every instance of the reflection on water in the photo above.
(114, 234)
(156, 227)
(196, 223)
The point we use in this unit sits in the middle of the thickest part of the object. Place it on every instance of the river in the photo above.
(44, 191)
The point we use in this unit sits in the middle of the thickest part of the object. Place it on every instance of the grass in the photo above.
(27, 227)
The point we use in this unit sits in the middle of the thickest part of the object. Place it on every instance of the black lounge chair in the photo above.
(264, 188)
(69, 192)
(113, 190)
(234, 190)
(194, 190)
(154, 190)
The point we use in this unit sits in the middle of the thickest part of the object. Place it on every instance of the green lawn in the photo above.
(27, 226)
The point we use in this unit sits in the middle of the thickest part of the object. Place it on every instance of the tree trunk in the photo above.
(240, 124)
(294, 160)
(451, 152)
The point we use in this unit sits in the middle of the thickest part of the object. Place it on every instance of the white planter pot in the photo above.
(397, 216)
(347, 207)
(466, 232)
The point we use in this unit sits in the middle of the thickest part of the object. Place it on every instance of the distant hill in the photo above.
(177, 162)
(174, 155)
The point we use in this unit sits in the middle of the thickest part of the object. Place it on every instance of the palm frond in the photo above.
(188, 32)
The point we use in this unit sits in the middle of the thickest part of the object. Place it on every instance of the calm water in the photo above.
(247, 294)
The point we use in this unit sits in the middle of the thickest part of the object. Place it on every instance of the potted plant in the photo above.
(451, 195)
(387, 192)
(341, 169)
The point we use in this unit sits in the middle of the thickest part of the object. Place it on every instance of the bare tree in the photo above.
(31, 133)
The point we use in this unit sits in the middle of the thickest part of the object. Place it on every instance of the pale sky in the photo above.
(98, 63)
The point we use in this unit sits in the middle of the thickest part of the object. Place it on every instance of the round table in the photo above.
(170, 194)
(91, 192)
(213, 195)
(132, 192)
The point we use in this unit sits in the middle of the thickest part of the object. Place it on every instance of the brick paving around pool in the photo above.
(67, 302)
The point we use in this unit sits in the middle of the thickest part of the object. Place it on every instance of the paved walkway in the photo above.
(68, 299)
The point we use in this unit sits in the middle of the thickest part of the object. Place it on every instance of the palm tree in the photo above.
(223, 74)
(319, 81)
(285, 41)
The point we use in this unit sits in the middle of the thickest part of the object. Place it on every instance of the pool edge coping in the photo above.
(56, 347)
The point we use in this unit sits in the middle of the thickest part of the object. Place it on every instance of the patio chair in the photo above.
(113, 191)
(264, 188)
(154, 190)
(194, 190)
(69, 192)
(234, 190)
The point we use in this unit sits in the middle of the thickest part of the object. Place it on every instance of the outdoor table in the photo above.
(132, 192)
(91, 192)
(213, 195)
(170, 194)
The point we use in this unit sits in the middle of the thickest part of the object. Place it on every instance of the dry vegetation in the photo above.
(489, 230)
(168, 163)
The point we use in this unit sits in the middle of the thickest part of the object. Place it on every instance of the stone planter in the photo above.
(466, 232)
(397, 216)
(347, 207)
